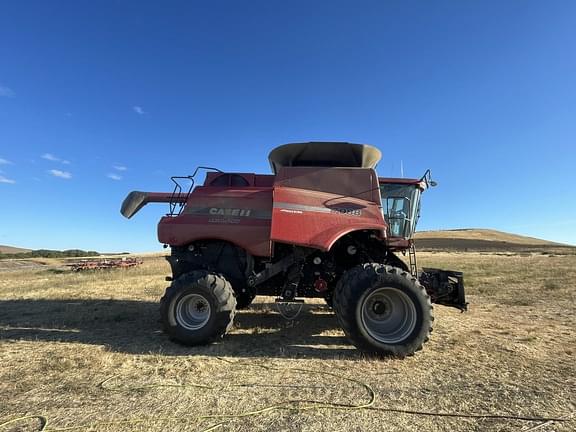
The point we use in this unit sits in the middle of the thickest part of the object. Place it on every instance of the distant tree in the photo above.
(47, 253)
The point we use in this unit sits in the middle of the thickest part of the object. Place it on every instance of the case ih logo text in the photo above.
(215, 211)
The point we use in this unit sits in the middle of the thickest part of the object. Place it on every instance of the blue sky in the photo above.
(100, 98)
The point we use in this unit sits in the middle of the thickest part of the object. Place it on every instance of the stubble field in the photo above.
(84, 351)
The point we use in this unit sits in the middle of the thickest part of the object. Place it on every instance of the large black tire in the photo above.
(198, 308)
(383, 310)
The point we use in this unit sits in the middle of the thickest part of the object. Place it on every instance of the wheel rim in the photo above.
(388, 315)
(193, 311)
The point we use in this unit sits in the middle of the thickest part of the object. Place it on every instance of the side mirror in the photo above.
(427, 178)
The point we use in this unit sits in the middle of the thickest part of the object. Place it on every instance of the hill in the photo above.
(12, 250)
(481, 240)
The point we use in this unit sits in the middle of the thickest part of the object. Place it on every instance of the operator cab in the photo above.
(401, 205)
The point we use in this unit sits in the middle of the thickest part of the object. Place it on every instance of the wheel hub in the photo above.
(379, 308)
(193, 311)
(388, 315)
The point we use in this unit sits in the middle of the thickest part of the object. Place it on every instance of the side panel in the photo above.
(309, 211)
(241, 216)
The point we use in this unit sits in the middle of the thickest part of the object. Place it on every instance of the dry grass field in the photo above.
(85, 351)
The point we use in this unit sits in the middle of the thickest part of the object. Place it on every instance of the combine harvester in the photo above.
(322, 225)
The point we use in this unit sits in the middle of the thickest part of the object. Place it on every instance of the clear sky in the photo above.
(98, 98)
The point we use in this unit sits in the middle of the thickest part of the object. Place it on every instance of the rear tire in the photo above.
(198, 308)
(383, 310)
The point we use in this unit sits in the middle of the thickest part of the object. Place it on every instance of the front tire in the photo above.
(198, 308)
(383, 310)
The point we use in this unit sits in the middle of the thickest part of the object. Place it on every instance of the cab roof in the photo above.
(399, 180)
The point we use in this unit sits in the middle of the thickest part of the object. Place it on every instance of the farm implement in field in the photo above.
(104, 263)
(323, 224)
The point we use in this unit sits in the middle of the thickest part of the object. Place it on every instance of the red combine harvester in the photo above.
(322, 225)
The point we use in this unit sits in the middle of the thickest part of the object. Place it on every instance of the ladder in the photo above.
(413, 263)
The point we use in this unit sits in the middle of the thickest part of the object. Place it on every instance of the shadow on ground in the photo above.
(134, 327)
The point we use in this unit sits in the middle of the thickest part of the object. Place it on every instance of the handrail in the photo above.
(177, 202)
